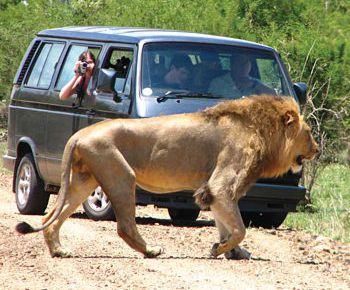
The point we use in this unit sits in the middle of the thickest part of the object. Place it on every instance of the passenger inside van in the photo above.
(178, 75)
(238, 82)
(205, 71)
(121, 66)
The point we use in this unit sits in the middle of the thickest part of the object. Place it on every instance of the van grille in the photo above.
(27, 62)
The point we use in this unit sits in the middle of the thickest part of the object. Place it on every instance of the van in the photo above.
(129, 82)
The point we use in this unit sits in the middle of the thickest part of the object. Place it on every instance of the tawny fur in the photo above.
(219, 153)
(203, 197)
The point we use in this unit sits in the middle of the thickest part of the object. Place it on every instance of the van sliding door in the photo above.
(65, 117)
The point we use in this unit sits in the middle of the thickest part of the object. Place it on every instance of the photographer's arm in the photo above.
(69, 89)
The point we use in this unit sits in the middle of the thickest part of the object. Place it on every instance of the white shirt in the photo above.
(224, 86)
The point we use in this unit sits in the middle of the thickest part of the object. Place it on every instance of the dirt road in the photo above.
(286, 259)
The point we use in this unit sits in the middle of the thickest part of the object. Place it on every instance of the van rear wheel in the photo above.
(31, 197)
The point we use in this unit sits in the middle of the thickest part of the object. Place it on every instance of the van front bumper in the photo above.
(261, 197)
(272, 198)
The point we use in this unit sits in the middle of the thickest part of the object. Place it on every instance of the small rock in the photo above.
(322, 248)
(320, 239)
(312, 262)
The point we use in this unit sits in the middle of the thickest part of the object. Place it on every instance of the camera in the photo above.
(82, 67)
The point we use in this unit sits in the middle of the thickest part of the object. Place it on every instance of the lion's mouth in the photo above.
(300, 159)
(298, 163)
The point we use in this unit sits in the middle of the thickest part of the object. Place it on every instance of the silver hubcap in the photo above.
(98, 200)
(25, 180)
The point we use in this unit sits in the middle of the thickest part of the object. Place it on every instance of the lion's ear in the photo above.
(290, 117)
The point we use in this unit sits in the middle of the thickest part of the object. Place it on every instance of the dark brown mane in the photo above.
(267, 115)
(256, 109)
(264, 112)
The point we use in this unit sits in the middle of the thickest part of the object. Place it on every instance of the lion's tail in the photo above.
(25, 228)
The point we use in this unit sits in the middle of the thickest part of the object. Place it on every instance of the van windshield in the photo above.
(210, 71)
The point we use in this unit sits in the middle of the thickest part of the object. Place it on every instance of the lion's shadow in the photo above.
(142, 258)
(160, 221)
(179, 223)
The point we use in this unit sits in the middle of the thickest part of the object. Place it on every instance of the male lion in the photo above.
(218, 153)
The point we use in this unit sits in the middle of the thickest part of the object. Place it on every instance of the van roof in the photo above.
(138, 34)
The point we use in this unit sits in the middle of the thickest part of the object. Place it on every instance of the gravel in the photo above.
(282, 258)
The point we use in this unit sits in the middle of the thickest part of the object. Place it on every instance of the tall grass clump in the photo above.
(329, 211)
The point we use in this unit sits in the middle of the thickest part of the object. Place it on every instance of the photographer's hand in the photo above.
(70, 88)
(76, 68)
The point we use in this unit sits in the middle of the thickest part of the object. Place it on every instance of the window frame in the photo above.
(286, 84)
(35, 59)
(65, 55)
(131, 70)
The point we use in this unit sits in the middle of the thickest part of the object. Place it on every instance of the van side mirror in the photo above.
(300, 90)
(106, 80)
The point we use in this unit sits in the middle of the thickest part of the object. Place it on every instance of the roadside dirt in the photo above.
(285, 259)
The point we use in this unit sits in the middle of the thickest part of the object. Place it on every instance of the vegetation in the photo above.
(312, 36)
(329, 213)
(3, 147)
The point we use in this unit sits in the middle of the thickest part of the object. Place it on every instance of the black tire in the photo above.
(267, 220)
(31, 197)
(180, 214)
(97, 207)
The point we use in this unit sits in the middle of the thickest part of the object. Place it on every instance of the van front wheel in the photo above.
(267, 220)
(31, 197)
(97, 207)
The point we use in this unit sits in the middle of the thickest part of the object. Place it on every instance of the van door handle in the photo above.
(91, 113)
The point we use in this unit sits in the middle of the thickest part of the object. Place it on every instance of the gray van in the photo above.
(129, 82)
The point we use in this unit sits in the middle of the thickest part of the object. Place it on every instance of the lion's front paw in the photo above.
(214, 250)
(61, 253)
(238, 254)
(219, 248)
(153, 252)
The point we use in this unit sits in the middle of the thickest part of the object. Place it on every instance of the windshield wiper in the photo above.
(170, 95)
(179, 95)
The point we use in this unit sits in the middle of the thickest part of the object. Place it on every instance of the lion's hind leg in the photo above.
(118, 181)
(81, 186)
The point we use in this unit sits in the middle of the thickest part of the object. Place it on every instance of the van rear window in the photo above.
(44, 67)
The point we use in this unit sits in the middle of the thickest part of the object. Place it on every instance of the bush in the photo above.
(292, 27)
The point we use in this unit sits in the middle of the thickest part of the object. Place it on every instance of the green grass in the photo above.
(329, 214)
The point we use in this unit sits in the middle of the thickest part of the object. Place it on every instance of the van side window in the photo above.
(67, 73)
(120, 60)
(44, 67)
